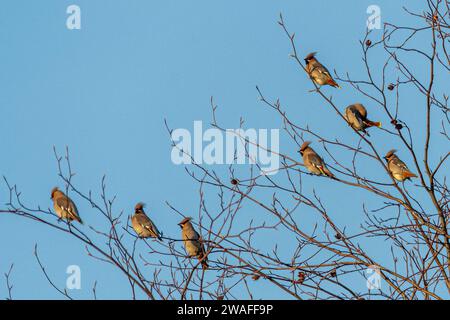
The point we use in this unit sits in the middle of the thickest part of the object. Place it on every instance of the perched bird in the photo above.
(64, 207)
(356, 116)
(313, 162)
(192, 242)
(317, 72)
(144, 227)
(397, 167)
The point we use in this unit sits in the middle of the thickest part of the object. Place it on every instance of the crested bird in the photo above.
(356, 116)
(318, 73)
(397, 167)
(143, 225)
(64, 207)
(193, 242)
(313, 162)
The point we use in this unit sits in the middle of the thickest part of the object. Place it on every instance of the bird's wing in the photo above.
(315, 160)
(321, 69)
(152, 228)
(353, 116)
(67, 205)
(361, 110)
(400, 164)
(200, 245)
(191, 234)
(148, 224)
(325, 71)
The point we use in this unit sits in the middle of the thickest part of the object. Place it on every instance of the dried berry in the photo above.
(394, 121)
(368, 42)
(338, 236)
(256, 277)
(398, 126)
(234, 182)
(391, 86)
(333, 273)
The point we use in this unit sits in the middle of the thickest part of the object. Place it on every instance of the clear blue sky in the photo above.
(105, 90)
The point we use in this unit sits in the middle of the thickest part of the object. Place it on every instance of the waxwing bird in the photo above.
(318, 73)
(313, 162)
(64, 207)
(356, 116)
(397, 167)
(143, 225)
(192, 242)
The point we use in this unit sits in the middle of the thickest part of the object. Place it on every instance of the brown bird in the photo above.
(397, 167)
(313, 162)
(64, 207)
(356, 116)
(143, 225)
(318, 73)
(193, 242)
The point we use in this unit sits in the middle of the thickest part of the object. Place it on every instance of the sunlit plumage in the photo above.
(318, 72)
(142, 224)
(313, 162)
(193, 242)
(64, 207)
(356, 116)
(397, 167)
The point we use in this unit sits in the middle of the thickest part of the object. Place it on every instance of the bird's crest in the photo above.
(358, 105)
(305, 145)
(139, 206)
(53, 192)
(185, 220)
(390, 153)
(310, 56)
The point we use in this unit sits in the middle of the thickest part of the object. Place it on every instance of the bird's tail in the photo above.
(372, 123)
(329, 174)
(77, 218)
(324, 170)
(408, 174)
(333, 83)
(203, 261)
